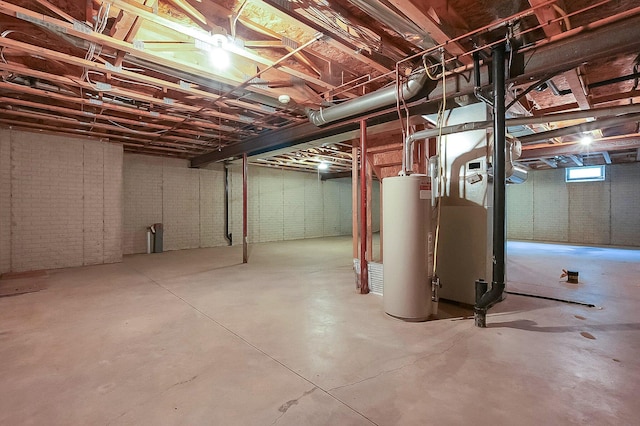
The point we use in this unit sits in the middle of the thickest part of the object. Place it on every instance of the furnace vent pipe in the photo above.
(494, 295)
(369, 102)
(432, 133)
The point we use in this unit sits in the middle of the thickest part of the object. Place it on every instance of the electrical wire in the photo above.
(99, 25)
(159, 132)
(441, 167)
(636, 67)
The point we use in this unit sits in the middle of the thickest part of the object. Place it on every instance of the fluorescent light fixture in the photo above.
(323, 166)
(586, 140)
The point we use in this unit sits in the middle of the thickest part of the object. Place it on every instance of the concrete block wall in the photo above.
(625, 204)
(546, 208)
(61, 202)
(5, 201)
(142, 181)
(188, 202)
(287, 205)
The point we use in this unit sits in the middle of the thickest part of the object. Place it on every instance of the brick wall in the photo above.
(287, 205)
(546, 208)
(5, 201)
(188, 202)
(61, 202)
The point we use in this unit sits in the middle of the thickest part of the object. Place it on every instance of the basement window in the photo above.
(584, 174)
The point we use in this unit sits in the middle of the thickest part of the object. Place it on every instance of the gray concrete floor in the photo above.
(195, 338)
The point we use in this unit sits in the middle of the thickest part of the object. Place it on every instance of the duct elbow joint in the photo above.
(485, 300)
(315, 116)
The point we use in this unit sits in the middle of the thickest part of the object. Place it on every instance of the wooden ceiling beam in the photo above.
(106, 138)
(428, 24)
(55, 9)
(270, 33)
(83, 133)
(630, 96)
(205, 37)
(376, 61)
(112, 118)
(547, 16)
(618, 143)
(128, 48)
(102, 68)
(137, 113)
(142, 135)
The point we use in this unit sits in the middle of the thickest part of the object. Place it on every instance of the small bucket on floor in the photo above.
(572, 277)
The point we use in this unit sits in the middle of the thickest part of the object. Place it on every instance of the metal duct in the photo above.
(369, 102)
(517, 174)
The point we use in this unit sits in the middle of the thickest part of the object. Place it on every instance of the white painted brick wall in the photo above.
(331, 206)
(180, 205)
(520, 210)
(345, 205)
(625, 204)
(313, 206)
(113, 203)
(93, 203)
(235, 210)
(253, 218)
(590, 212)
(286, 205)
(188, 202)
(212, 207)
(47, 205)
(293, 202)
(56, 203)
(142, 182)
(5, 201)
(271, 205)
(550, 206)
(546, 208)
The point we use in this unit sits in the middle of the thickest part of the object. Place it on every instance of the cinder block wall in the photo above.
(288, 205)
(188, 202)
(60, 202)
(546, 208)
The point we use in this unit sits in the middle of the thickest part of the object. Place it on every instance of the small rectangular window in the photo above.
(584, 174)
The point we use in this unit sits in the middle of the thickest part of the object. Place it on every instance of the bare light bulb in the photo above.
(586, 140)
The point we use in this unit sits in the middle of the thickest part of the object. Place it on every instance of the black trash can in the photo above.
(156, 229)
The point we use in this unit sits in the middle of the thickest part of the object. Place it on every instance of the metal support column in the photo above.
(364, 278)
(245, 248)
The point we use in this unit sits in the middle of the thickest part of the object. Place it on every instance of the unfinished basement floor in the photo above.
(195, 338)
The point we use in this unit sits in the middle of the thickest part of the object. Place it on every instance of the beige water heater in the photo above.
(407, 247)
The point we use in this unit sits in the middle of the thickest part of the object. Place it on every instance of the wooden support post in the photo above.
(354, 197)
(245, 248)
(381, 259)
(369, 193)
(364, 276)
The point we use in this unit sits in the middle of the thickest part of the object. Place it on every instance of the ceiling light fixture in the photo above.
(218, 53)
(323, 166)
(586, 140)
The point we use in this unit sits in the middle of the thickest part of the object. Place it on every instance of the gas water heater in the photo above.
(408, 247)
